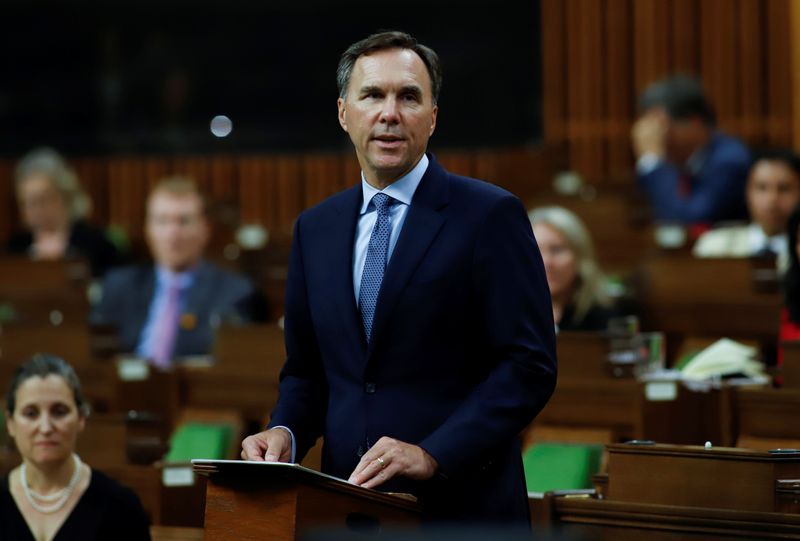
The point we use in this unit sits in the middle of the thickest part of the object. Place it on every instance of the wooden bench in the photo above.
(667, 492)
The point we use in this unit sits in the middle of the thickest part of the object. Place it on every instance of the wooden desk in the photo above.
(35, 289)
(674, 492)
(790, 371)
(691, 476)
(172, 533)
(73, 343)
(244, 376)
(768, 418)
(590, 402)
(168, 505)
(685, 296)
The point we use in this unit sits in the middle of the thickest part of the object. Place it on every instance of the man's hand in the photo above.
(649, 134)
(389, 458)
(273, 445)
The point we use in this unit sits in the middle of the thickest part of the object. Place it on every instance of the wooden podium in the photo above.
(269, 500)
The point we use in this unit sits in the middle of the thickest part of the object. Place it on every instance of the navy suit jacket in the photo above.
(463, 350)
(216, 295)
(718, 189)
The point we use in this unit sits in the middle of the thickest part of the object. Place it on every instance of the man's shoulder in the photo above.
(224, 278)
(728, 148)
(479, 190)
(128, 275)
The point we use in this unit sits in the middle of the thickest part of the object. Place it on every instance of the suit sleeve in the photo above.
(720, 191)
(302, 394)
(509, 278)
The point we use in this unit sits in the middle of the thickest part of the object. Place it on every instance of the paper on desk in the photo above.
(724, 357)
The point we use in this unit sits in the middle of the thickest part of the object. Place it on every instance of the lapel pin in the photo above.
(188, 321)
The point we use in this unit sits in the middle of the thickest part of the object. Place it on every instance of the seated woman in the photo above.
(53, 206)
(52, 495)
(575, 280)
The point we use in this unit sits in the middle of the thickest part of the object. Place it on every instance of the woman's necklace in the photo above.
(59, 498)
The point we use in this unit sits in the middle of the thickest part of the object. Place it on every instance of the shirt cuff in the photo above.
(294, 447)
(647, 163)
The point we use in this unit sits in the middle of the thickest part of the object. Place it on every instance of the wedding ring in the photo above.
(381, 462)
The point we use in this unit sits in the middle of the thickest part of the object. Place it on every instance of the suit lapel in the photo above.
(147, 285)
(423, 222)
(341, 243)
(196, 297)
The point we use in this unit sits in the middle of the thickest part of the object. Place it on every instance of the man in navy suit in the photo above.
(419, 331)
(169, 309)
(692, 172)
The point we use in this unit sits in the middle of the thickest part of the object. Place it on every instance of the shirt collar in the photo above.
(166, 277)
(759, 239)
(401, 190)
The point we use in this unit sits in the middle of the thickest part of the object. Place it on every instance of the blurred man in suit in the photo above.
(692, 173)
(419, 329)
(773, 191)
(170, 308)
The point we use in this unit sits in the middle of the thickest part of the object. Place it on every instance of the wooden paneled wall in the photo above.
(598, 55)
(270, 190)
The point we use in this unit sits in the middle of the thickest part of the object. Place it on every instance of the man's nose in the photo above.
(389, 112)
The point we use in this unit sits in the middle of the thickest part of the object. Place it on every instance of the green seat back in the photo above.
(561, 466)
(199, 440)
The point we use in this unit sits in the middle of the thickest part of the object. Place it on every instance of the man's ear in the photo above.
(433, 119)
(342, 113)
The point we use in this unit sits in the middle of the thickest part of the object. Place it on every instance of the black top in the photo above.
(85, 241)
(596, 319)
(107, 510)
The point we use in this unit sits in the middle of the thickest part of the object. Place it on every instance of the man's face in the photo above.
(389, 113)
(684, 137)
(773, 190)
(177, 231)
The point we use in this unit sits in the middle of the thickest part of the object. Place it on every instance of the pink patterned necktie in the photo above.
(167, 326)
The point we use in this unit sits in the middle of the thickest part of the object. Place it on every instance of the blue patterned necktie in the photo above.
(375, 264)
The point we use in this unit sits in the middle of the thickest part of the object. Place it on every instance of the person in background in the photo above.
(52, 494)
(692, 173)
(790, 315)
(53, 208)
(171, 307)
(773, 191)
(574, 277)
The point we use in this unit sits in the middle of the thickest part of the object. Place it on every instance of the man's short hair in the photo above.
(781, 155)
(383, 41)
(180, 186)
(681, 96)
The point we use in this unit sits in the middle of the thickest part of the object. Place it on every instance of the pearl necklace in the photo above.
(59, 498)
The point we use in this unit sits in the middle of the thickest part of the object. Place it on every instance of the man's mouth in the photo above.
(387, 140)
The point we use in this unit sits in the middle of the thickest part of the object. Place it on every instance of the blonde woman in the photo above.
(53, 208)
(573, 275)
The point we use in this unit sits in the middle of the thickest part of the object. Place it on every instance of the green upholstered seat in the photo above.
(199, 440)
(561, 466)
